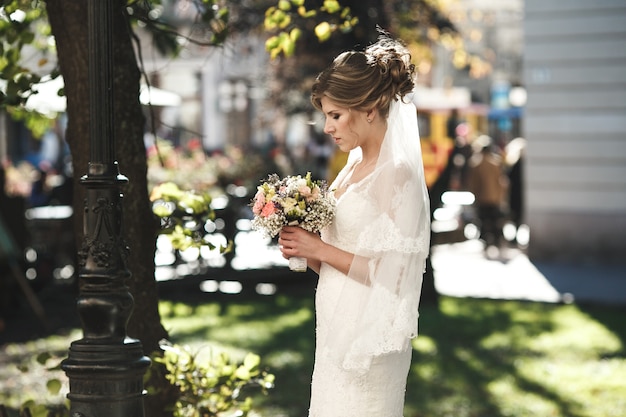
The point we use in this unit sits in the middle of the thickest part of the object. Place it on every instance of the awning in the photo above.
(47, 100)
(158, 97)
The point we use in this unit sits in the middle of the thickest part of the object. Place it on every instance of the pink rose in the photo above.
(268, 209)
(305, 191)
(315, 195)
(259, 202)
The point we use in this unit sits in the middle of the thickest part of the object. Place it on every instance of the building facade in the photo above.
(575, 124)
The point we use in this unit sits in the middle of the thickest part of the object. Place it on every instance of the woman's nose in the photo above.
(328, 127)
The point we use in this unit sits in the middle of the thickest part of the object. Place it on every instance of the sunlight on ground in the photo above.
(510, 275)
(253, 251)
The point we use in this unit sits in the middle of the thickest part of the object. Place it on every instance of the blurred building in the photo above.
(575, 123)
(493, 31)
(221, 88)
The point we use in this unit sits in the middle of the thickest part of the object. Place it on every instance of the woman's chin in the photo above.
(344, 148)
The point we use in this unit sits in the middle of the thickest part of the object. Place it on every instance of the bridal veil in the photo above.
(391, 250)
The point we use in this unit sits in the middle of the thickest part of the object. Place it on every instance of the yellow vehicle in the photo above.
(434, 109)
(436, 143)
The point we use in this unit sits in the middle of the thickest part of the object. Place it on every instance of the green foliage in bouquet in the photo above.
(211, 387)
(183, 215)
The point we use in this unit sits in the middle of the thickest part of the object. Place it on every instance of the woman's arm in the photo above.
(295, 241)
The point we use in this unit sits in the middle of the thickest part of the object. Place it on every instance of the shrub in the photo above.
(215, 386)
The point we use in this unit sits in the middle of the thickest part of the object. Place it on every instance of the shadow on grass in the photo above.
(487, 358)
(280, 328)
(611, 317)
(474, 358)
(457, 372)
(449, 378)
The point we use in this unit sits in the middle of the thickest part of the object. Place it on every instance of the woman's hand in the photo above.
(295, 241)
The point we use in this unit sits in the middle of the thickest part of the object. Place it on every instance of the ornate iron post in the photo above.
(105, 368)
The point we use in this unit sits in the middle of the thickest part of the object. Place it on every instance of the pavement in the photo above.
(464, 270)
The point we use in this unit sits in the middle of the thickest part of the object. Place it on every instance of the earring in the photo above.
(369, 120)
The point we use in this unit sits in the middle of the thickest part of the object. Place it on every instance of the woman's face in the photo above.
(348, 128)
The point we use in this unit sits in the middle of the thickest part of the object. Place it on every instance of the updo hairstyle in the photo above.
(367, 80)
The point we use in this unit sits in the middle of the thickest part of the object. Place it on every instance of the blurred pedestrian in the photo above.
(459, 158)
(453, 122)
(488, 182)
(515, 160)
(319, 151)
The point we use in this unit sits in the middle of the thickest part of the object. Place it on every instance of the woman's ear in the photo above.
(371, 114)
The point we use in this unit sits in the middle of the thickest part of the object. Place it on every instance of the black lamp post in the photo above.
(105, 368)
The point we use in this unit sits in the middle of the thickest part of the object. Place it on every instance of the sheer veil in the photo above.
(391, 251)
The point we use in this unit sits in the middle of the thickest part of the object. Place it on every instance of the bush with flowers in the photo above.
(183, 215)
(191, 168)
(184, 181)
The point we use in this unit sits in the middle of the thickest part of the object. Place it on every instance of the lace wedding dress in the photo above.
(367, 318)
(336, 391)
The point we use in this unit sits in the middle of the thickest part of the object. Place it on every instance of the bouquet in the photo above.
(292, 201)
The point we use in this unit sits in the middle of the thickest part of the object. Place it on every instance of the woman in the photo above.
(371, 259)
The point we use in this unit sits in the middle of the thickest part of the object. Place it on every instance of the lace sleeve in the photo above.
(384, 233)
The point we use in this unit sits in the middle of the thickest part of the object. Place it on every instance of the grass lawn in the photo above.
(473, 358)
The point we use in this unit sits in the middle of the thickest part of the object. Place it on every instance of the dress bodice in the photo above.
(353, 211)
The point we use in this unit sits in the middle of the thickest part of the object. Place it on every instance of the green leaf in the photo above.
(252, 361)
(323, 31)
(243, 373)
(332, 6)
(162, 210)
(193, 203)
(270, 44)
(295, 34)
(288, 45)
(303, 12)
(43, 357)
(54, 386)
(27, 37)
(284, 5)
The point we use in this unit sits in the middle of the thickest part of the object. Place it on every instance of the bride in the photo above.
(371, 259)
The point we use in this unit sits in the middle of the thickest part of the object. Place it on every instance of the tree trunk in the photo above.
(68, 19)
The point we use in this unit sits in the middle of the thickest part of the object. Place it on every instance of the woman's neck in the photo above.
(371, 148)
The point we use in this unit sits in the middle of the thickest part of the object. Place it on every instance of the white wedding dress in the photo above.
(336, 391)
(366, 319)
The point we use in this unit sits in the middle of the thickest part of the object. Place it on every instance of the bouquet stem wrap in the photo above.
(297, 264)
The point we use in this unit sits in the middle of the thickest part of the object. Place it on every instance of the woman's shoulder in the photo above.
(400, 169)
